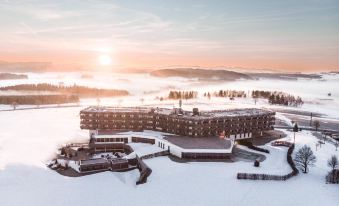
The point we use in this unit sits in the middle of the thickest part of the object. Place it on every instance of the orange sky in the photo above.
(90, 61)
(284, 35)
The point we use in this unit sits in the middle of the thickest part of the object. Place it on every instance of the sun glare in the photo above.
(105, 60)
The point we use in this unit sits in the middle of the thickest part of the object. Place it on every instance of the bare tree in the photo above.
(333, 163)
(209, 96)
(304, 158)
(316, 124)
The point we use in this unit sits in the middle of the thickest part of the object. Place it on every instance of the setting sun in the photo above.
(105, 60)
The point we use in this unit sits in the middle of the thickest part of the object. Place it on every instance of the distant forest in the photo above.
(80, 91)
(182, 95)
(273, 97)
(38, 99)
(279, 98)
(228, 93)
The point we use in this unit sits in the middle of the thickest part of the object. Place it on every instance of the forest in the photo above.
(279, 98)
(182, 94)
(80, 91)
(37, 99)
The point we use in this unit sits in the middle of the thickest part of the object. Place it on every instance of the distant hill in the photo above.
(202, 74)
(24, 66)
(4, 76)
(285, 76)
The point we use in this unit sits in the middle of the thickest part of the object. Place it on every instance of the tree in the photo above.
(295, 129)
(304, 158)
(316, 124)
(333, 163)
(209, 96)
(180, 103)
(142, 101)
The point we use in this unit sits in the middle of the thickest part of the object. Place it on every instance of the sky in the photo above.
(289, 35)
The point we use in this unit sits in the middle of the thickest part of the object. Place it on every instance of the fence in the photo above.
(251, 146)
(264, 176)
(252, 176)
(145, 171)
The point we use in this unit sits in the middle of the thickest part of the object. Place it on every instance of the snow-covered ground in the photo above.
(30, 137)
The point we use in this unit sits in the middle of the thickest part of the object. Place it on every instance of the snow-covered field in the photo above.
(313, 92)
(29, 138)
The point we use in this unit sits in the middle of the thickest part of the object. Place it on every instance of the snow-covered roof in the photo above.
(183, 114)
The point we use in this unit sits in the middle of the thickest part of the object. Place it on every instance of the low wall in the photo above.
(251, 146)
(197, 155)
(157, 154)
(145, 171)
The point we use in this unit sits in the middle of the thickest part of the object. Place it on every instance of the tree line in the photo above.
(228, 93)
(280, 98)
(81, 91)
(182, 95)
(37, 99)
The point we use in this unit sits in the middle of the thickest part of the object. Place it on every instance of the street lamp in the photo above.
(295, 129)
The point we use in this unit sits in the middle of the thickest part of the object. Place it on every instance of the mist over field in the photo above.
(314, 92)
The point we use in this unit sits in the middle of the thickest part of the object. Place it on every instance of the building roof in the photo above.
(184, 114)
